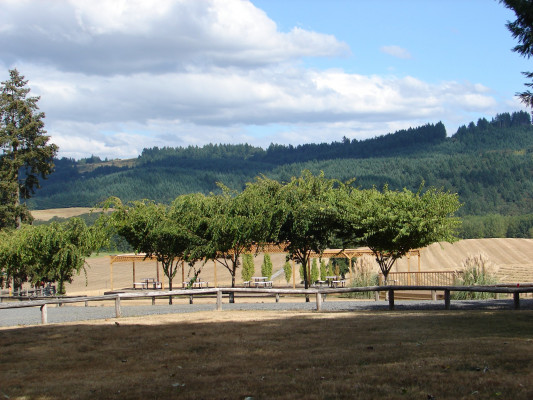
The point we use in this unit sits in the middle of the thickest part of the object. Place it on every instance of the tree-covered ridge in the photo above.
(488, 163)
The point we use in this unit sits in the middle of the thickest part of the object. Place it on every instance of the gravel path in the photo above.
(32, 315)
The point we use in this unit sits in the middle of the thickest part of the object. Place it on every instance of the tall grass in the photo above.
(364, 275)
(477, 270)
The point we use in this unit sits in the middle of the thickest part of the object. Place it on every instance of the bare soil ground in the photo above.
(265, 355)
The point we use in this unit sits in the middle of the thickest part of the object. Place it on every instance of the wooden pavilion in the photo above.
(268, 248)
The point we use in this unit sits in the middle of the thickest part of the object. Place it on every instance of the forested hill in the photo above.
(489, 163)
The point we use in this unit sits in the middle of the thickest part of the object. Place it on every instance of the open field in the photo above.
(513, 260)
(288, 355)
(46, 215)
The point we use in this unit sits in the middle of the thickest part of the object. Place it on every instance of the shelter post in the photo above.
(182, 272)
(111, 271)
(215, 271)
(133, 262)
(409, 268)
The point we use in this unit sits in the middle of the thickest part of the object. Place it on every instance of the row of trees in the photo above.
(308, 214)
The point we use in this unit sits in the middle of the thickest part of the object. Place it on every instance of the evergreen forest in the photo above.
(488, 163)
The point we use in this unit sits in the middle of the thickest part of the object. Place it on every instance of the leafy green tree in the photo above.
(14, 258)
(194, 212)
(287, 269)
(248, 268)
(241, 221)
(311, 217)
(391, 222)
(59, 250)
(26, 154)
(49, 253)
(169, 233)
(266, 267)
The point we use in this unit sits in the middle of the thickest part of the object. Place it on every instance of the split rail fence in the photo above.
(318, 293)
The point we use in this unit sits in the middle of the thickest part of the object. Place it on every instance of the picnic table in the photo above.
(196, 284)
(148, 283)
(335, 281)
(260, 281)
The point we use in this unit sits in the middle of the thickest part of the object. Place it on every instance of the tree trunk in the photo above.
(170, 288)
(306, 278)
(232, 294)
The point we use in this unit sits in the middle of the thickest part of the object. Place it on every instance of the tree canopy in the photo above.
(48, 253)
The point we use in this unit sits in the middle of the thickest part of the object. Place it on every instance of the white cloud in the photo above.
(125, 37)
(396, 51)
(117, 76)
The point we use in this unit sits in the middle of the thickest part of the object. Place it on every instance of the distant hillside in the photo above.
(488, 163)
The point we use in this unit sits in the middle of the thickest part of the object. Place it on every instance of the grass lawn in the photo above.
(266, 354)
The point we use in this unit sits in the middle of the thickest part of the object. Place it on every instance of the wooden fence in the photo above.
(433, 278)
(318, 293)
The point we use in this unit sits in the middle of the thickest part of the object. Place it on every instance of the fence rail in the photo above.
(440, 278)
(318, 293)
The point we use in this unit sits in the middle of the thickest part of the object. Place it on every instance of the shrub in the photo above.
(323, 270)
(287, 268)
(476, 271)
(248, 268)
(266, 267)
(315, 274)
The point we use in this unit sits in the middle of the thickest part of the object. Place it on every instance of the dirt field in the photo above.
(513, 259)
(45, 215)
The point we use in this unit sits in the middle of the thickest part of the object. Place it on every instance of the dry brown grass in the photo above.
(45, 215)
(289, 355)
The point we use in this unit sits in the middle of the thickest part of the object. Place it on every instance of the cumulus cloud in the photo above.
(125, 37)
(396, 51)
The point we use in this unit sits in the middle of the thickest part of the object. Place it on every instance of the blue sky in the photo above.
(118, 76)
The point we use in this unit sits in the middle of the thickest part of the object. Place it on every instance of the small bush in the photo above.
(266, 267)
(477, 271)
(287, 268)
(323, 270)
(248, 268)
(315, 274)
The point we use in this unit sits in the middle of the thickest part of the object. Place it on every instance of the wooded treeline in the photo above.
(488, 163)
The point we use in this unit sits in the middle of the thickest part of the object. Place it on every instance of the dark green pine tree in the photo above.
(522, 30)
(25, 155)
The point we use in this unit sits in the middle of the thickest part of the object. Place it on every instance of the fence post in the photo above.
(391, 299)
(277, 297)
(190, 299)
(118, 312)
(446, 299)
(44, 314)
(433, 295)
(516, 298)
(153, 300)
(319, 301)
(376, 295)
(219, 300)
